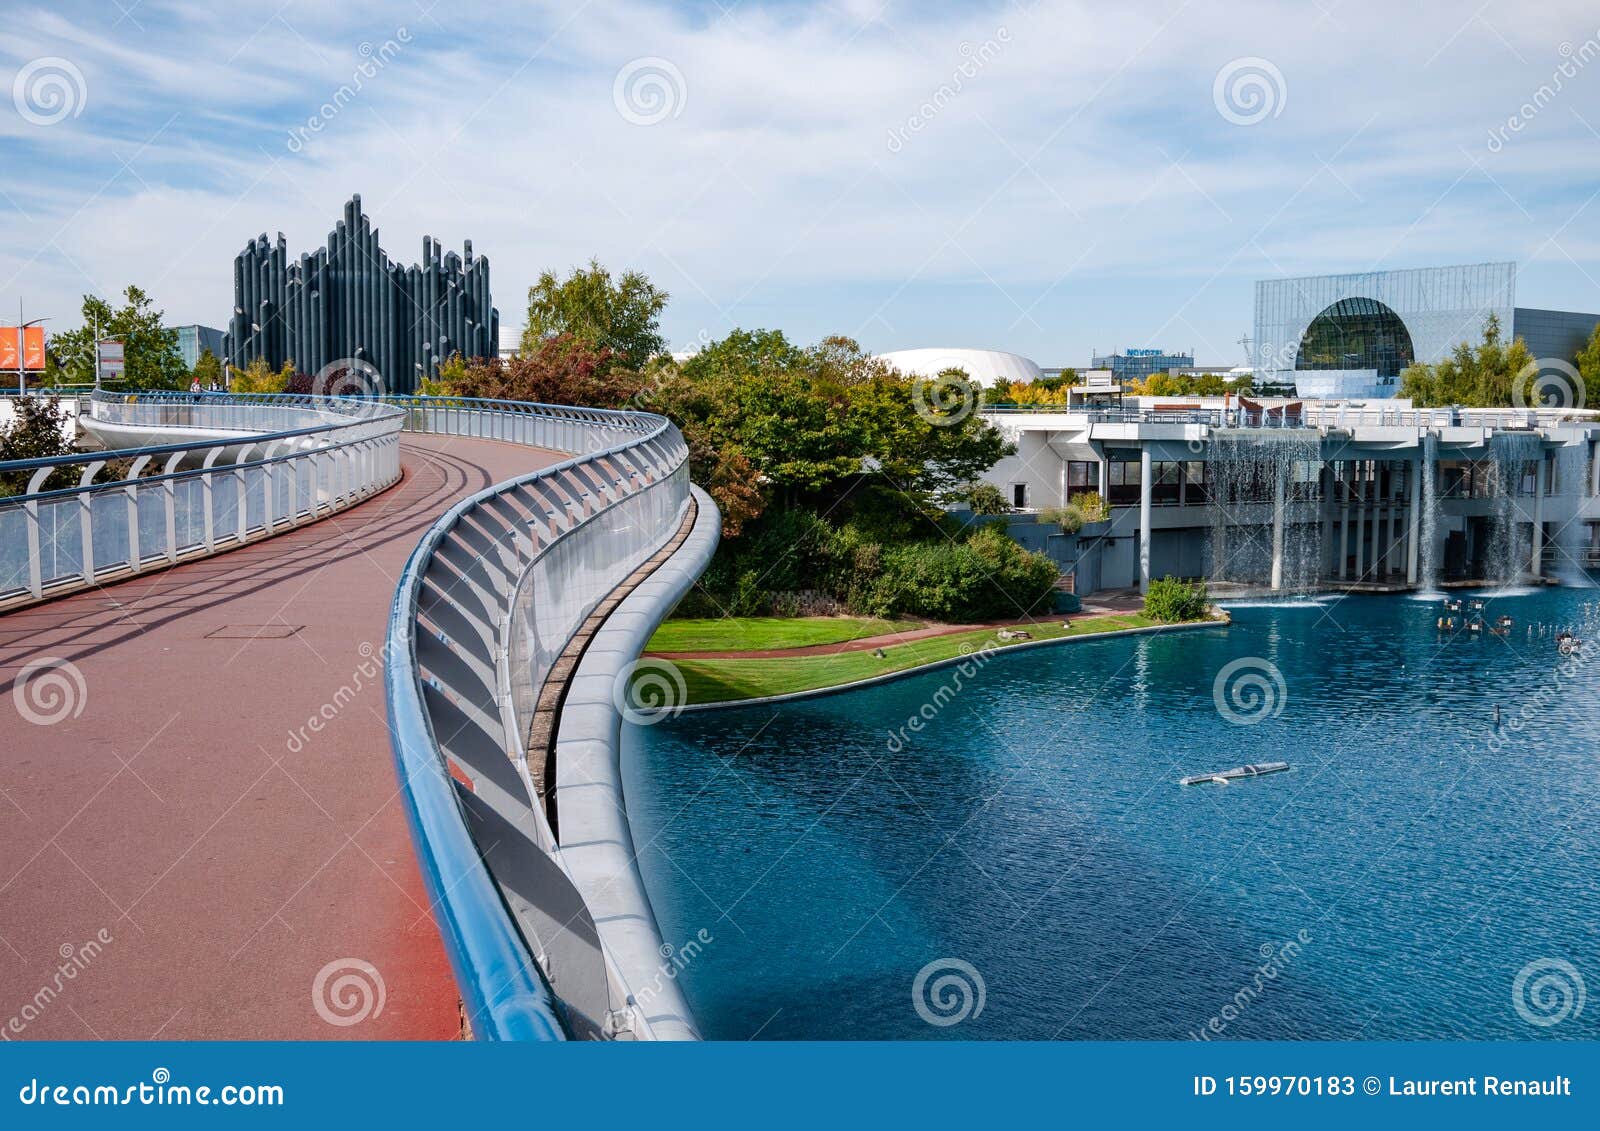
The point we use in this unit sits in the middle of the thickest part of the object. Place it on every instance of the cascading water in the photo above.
(1506, 557)
(1571, 535)
(1428, 551)
(1251, 470)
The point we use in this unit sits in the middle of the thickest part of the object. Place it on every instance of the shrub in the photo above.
(1092, 506)
(987, 576)
(985, 498)
(1171, 600)
(1069, 518)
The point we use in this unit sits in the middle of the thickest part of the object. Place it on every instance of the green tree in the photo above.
(207, 369)
(1485, 375)
(38, 431)
(150, 349)
(1588, 362)
(622, 315)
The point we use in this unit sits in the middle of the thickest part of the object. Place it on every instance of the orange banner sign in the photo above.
(32, 348)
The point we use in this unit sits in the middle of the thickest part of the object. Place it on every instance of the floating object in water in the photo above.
(1223, 777)
(1568, 644)
(1497, 716)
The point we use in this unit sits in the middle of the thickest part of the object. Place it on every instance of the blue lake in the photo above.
(1417, 873)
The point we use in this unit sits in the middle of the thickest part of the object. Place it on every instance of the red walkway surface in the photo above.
(192, 817)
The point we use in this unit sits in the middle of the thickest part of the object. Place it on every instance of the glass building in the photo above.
(1352, 335)
(1136, 365)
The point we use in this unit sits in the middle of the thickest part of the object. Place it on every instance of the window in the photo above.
(1019, 495)
(1082, 476)
(1124, 477)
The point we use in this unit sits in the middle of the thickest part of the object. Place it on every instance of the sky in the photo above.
(1053, 179)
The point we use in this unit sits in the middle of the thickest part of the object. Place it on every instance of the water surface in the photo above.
(1395, 882)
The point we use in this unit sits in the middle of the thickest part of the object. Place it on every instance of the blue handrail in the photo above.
(504, 991)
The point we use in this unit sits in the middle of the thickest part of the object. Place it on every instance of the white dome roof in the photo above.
(983, 366)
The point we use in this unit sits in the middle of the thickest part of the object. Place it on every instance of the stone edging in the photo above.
(596, 840)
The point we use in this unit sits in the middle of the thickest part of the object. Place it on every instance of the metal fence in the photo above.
(488, 601)
(90, 518)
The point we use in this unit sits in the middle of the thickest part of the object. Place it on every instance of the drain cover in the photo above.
(254, 632)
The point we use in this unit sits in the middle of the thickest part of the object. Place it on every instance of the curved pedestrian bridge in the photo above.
(203, 815)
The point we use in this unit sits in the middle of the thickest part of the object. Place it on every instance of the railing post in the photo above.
(35, 555)
(210, 503)
(86, 518)
(135, 554)
(171, 494)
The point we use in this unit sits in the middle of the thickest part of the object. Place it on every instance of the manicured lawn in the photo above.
(758, 634)
(711, 681)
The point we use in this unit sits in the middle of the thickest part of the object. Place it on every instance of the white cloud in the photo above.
(1087, 146)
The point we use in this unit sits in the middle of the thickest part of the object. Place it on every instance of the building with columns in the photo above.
(1302, 496)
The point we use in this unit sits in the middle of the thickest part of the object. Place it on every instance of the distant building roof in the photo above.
(983, 366)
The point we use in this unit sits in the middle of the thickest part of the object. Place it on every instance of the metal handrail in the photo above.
(470, 641)
(196, 502)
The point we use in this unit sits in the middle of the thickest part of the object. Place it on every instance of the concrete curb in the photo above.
(887, 677)
(596, 839)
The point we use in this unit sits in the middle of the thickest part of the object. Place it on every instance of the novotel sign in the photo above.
(1143, 353)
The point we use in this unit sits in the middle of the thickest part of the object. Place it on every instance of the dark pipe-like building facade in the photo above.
(347, 301)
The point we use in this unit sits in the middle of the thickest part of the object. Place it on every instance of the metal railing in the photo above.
(487, 602)
(86, 519)
(1312, 414)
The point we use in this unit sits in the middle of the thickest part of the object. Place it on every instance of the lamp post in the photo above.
(22, 350)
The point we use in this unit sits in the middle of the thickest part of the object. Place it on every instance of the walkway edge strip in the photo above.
(597, 839)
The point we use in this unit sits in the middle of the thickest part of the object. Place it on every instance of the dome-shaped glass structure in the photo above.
(1356, 333)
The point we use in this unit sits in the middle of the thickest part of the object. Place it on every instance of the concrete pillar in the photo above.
(1594, 470)
(1414, 527)
(1279, 491)
(1324, 566)
(1361, 533)
(1105, 476)
(1344, 523)
(1541, 483)
(1144, 519)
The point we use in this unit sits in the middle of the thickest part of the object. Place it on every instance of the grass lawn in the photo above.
(713, 681)
(758, 634)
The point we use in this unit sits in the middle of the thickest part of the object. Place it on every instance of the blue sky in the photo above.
(1049, 178)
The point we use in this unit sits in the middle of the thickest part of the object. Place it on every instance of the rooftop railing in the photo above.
(76, 521)
(487, 603)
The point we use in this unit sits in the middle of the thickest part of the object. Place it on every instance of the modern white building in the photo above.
(1297, 496)
(984, 366)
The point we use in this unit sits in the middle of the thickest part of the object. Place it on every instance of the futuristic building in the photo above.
(1352, 335)
(984, 366)
(346, 303)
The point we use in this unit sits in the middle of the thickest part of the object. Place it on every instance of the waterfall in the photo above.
(1250, 469)
(1507, 555)
(1428, 558)
(1572, 534)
